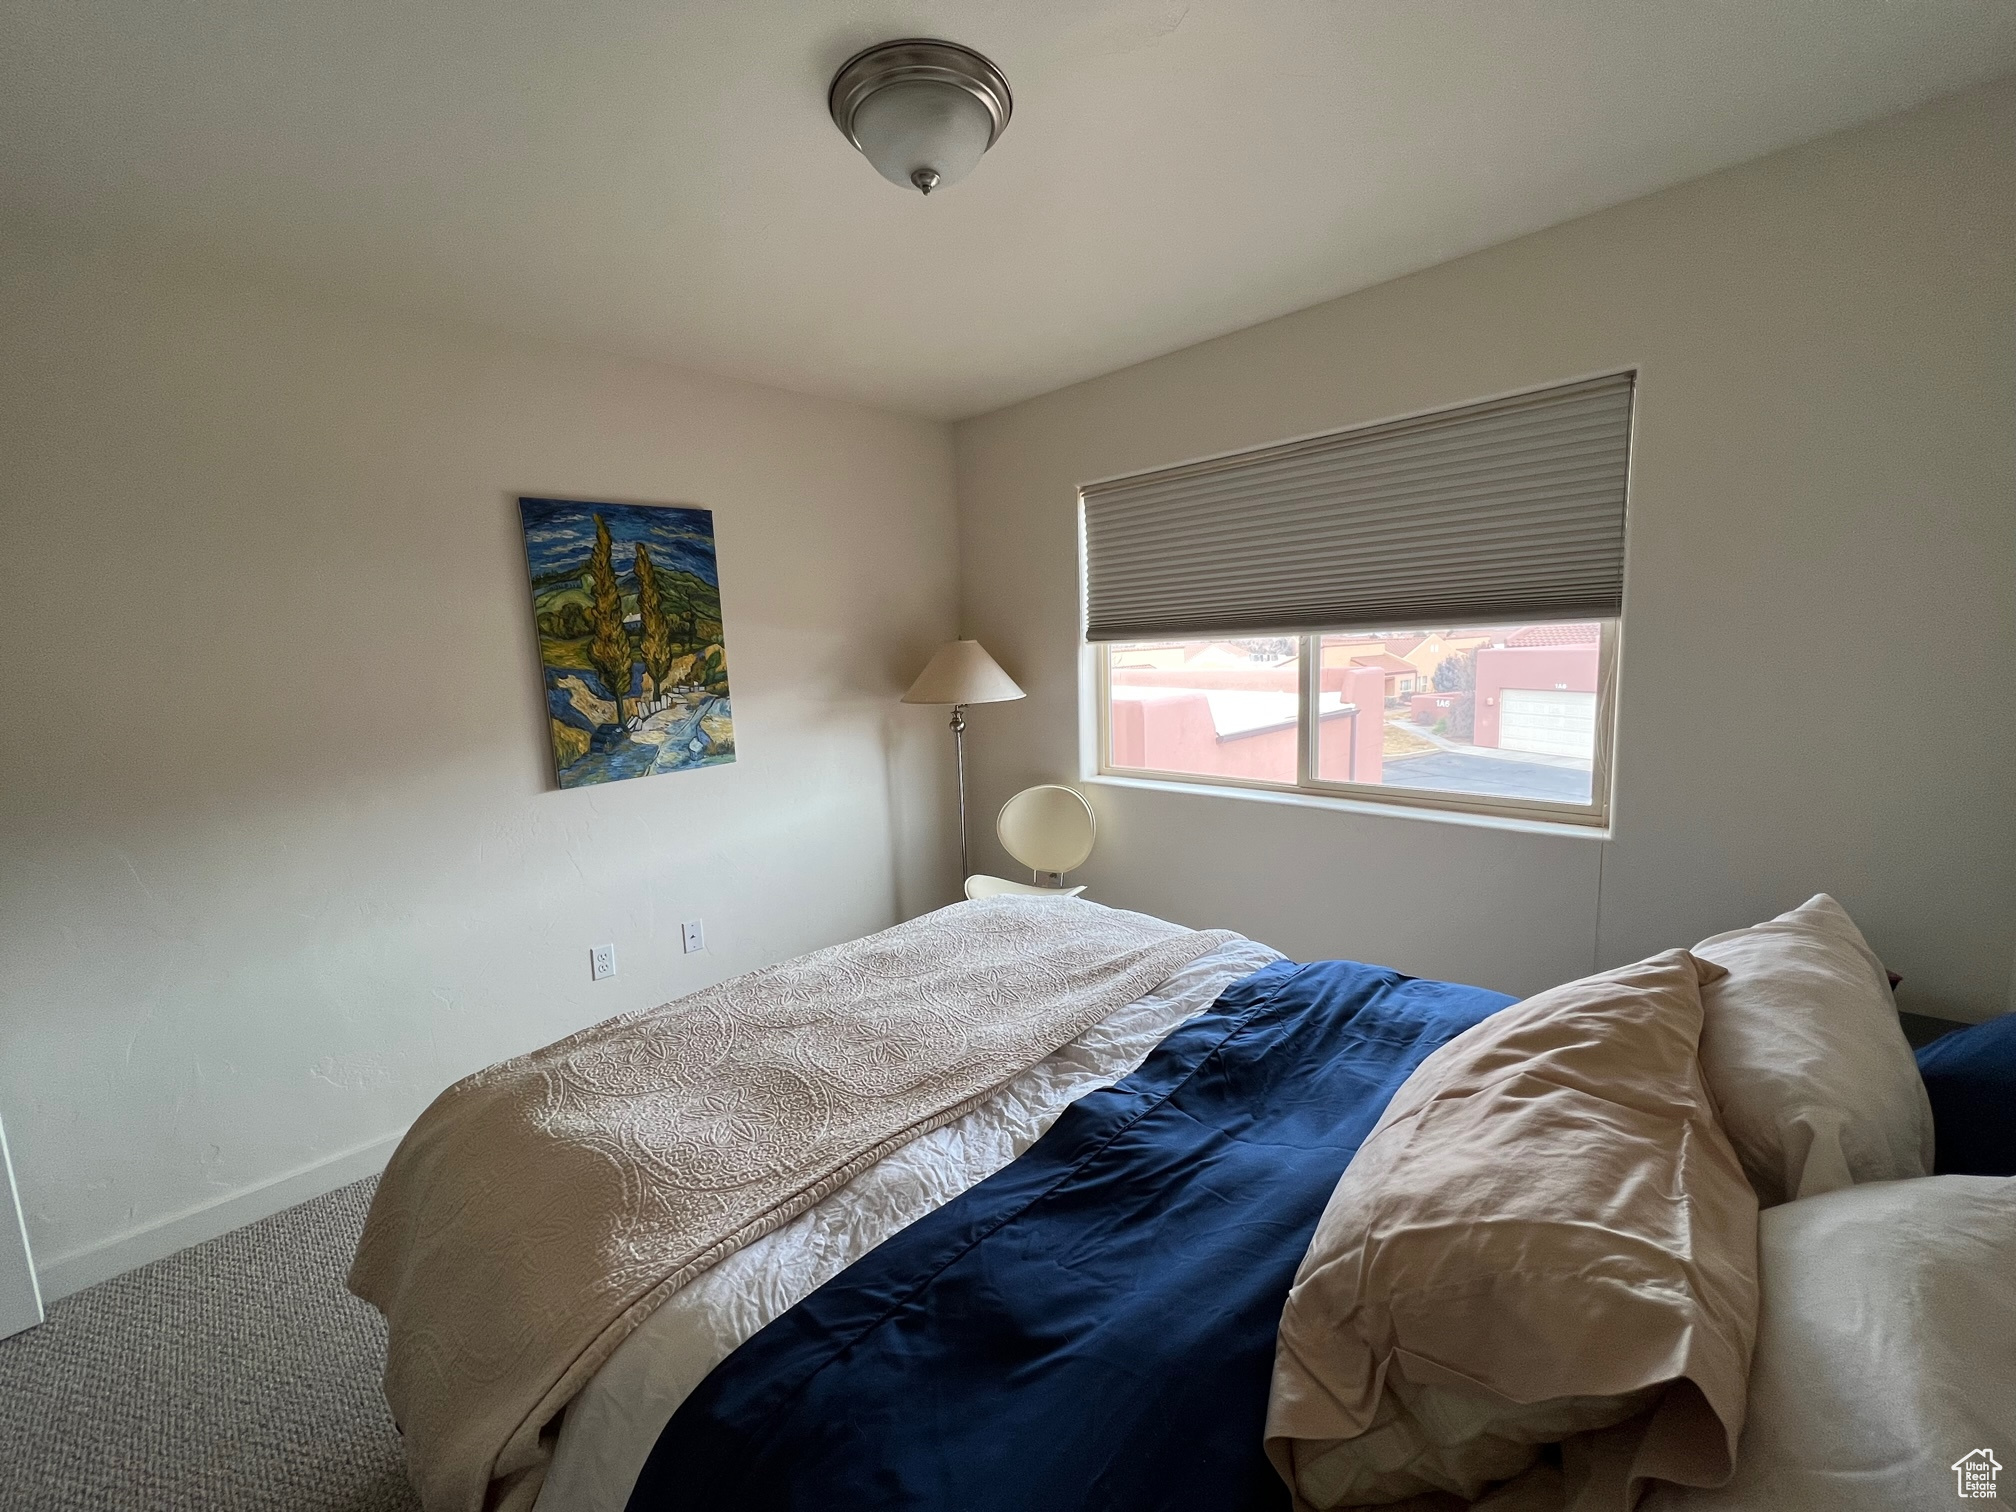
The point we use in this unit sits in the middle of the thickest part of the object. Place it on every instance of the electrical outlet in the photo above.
(693, 936)
(602, 962)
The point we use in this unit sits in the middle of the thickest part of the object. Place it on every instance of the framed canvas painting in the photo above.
(627, 602)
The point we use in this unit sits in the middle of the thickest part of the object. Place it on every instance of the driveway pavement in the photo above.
(1494, 776)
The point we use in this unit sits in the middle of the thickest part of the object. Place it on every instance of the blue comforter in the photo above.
(1093, 1326)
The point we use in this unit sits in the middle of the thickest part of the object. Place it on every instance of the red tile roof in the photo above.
(1554, 635)
(1385, 662)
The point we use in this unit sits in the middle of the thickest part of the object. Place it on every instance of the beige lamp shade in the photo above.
(962, 673)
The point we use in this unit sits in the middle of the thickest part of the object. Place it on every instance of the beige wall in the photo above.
(280, 854)
(1824, 495)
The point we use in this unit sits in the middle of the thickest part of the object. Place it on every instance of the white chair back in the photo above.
(1048, 829)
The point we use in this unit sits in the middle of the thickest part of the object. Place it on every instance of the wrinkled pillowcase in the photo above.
(1545, 1234)
(1886, 1351)
(1970, 1077)
(1805, 1056)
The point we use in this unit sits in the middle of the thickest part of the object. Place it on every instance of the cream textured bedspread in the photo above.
(538, 1211)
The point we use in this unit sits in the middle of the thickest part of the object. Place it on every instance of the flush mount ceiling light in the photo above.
(921, 111)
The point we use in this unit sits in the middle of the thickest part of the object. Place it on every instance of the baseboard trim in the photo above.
(163, 1237)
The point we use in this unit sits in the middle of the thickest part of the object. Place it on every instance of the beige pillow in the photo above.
(1807, 1061)
(1545, 1234)
(1886, 1352)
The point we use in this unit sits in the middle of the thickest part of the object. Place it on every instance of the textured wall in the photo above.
(1824, 502)
(279, 851)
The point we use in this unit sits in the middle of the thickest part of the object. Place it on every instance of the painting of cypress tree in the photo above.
(656, 646)
(609, 649)
(634, 664)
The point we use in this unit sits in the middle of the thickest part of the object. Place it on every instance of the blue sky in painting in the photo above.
(559, 534)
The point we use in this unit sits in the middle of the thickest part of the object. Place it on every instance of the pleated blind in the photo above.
(1508, 510)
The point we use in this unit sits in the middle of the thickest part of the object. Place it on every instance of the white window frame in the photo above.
(1594, 814)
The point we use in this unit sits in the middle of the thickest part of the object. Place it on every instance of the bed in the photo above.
(1054, 1188)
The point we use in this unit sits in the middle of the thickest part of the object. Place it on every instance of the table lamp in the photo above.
(962, 673)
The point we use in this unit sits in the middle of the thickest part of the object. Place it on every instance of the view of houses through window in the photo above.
(1497, 712)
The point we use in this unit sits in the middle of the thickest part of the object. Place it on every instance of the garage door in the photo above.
(1552, 724)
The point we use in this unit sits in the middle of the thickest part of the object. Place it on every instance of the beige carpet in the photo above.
(235, 1376)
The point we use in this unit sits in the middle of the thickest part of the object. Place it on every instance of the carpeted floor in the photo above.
(235, 1376)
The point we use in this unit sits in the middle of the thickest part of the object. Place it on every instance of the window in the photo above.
(1500, 718)
(1266, 619)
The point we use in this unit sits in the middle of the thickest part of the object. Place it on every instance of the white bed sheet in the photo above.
(610, 1428)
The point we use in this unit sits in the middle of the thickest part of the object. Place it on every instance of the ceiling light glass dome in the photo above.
(923, 112)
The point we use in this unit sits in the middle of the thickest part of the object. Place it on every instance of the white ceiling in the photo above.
(660, 176)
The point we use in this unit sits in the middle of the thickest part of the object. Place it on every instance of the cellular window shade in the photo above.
(1508, 510)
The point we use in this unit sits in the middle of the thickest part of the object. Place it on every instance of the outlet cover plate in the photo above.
(693, 936)
(602, 962)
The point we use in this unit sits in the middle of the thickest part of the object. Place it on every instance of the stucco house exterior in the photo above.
(1537, 691)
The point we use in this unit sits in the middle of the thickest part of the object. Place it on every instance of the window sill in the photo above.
(1295, 799)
